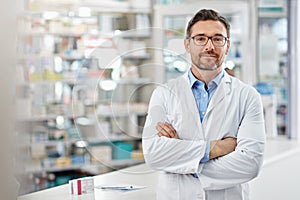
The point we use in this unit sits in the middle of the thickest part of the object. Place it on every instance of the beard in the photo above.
(209, 64)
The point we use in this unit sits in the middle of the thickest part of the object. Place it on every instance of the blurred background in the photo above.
(84, 71)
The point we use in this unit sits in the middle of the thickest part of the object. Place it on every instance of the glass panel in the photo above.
(273, 48)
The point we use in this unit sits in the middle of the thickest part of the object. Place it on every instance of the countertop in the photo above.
(277, 150)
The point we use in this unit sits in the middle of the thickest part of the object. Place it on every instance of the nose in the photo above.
(209, 45)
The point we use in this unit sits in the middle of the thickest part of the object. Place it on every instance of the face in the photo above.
(207, 57)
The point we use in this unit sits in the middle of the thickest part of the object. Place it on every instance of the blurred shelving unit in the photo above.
(273, 55)
(80, 88)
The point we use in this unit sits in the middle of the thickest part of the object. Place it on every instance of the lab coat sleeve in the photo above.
(168, 154)
(244, 163)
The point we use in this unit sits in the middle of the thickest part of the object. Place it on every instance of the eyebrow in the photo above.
(202, 34)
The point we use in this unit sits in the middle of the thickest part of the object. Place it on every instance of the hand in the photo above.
(166, 129)
(222, 147)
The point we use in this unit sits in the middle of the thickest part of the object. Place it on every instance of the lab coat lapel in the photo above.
(222, 90)
(191, 105)
(186, 88)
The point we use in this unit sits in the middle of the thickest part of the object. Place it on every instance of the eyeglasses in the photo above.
(217, 40)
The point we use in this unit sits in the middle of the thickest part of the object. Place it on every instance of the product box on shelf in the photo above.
(122, 150)
(101, 153)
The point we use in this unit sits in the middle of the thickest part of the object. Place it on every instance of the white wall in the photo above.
(7, 47)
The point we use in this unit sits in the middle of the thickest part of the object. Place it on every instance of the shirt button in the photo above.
(204, 95)
(203, 113)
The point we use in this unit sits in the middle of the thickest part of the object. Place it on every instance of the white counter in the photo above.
(276, 154)
(139, 175)
(279, 177)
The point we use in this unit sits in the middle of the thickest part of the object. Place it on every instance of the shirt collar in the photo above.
(216, 81)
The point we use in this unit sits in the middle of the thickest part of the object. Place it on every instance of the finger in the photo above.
(163, 130)
(158, 127)
(169, 128)
(160, 134)
(166, 129)
(166, 133)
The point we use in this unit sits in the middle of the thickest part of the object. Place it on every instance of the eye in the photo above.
(218, 39)
(200, 38)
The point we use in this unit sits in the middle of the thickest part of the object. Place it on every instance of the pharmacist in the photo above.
(205, 130)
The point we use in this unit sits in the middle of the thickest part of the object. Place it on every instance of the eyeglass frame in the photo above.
(209, 38)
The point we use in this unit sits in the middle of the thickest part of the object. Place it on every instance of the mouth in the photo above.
(208, 55)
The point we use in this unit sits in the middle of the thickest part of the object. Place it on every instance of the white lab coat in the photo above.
(235, 110)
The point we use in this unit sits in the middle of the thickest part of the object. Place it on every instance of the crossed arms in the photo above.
(217, 147)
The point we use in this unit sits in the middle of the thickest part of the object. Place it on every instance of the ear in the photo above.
(187, 45)
(227, 47)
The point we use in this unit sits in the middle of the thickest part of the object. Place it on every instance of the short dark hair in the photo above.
(204, 15)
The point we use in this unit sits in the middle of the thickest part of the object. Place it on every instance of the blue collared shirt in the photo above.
(202, 97)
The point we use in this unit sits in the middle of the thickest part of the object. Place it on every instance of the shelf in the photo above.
(135, 81)
(34, 56)
(70, 57)
(43, 117)
(50, 55)
(134, 35)
(42, 34)
(115, 138)
(55, 142)
(115, 163)
(103, 114)
(47, 82)
(95, 6)
(112, 163)
(55, 169)
(118, 163)
(37, 118)
(68, 36)
(112, 138)
(66, 81)
(123, 10)
(121, 114)
(107, 111)
(114, 7)
(122, 109)
(75, 81)
(137, 57)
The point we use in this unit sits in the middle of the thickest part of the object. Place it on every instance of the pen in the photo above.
(117, 187)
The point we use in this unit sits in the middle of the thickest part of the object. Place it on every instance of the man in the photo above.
(205, 130)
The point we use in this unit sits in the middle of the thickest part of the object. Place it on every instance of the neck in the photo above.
(205, 75)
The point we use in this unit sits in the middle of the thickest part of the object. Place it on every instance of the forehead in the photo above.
(208, 27)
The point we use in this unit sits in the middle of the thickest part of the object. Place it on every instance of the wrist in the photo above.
(215, 150)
